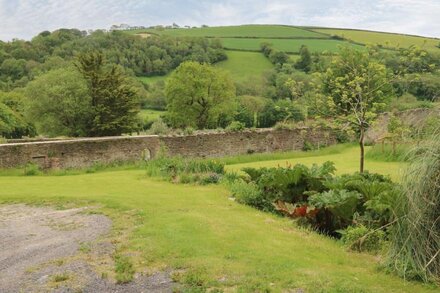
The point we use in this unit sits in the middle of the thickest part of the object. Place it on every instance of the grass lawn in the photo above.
(286, 45)
(345, 157)
(245, 65)
(218, 242)
(260, 31)
(147, 114)
(385, 39)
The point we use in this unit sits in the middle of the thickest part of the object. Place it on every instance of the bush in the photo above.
(250, 194)
(362, 239)
(32, 169)
(415, 239)
(178, 169)
(236, 126)
(159, 127)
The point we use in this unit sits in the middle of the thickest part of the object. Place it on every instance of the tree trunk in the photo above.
(362, 146)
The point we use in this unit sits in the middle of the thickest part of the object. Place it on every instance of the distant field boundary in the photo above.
(312, 28)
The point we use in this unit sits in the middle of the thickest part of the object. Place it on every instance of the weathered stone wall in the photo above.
(88, 151)
(414, 118)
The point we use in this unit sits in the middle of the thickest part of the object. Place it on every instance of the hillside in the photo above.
(242, 42)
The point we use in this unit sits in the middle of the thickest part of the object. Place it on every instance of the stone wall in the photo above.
(78, 153)
(413, 118)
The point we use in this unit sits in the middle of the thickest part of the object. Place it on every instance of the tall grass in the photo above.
(388, 153)
(415, 250)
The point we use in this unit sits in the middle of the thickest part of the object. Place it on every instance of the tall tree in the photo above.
(305, 60)
(114, 101)
(356, 87)
(199, 95)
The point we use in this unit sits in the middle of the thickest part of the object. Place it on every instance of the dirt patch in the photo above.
(39, 248)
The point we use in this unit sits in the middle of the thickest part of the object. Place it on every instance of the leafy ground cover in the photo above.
(286, 45)
(384, 39)
(212, 241)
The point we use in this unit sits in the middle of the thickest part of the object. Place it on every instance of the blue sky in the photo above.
(26, 18)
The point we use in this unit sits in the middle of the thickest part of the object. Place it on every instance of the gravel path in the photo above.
(34, 240)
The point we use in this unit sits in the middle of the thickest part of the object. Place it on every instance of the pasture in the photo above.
(245, 65)
(241, 31)
(211, 240)
(389, 40)
(286, 45)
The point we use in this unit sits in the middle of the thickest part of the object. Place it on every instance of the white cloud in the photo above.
(26, 18)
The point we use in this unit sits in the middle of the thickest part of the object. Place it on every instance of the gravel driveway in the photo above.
(35, 240)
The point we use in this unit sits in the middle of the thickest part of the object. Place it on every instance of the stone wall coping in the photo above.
(110, 138)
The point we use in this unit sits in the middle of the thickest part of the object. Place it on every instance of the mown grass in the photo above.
(385, 39)
(245, 65)
(260, 31)
(287, 45)
(151, 115)
(198, 229)
(345, 157)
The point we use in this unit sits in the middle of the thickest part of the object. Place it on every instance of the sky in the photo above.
(26, 18)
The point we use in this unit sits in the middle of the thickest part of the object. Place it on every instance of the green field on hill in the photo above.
(244, 31)
(385, 39)
(245, 65)
(286, 45)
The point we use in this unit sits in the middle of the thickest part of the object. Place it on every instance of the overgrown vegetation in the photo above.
(415, 250)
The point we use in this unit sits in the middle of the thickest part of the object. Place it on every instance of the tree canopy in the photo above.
(199, 95)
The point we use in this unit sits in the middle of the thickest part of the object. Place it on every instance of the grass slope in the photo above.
(219, 242)
(245, 65)
(345, 157)
(287, 45)
(246, 31)
(384, 39)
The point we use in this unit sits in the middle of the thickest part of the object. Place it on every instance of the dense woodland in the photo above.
(46, 88)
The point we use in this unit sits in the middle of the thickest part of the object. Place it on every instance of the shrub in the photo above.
(361, 238)
(188, 131)
(159, 127)
(250, 194)
(178, 169)
(32, 169)
(236, 126)
(415, 239)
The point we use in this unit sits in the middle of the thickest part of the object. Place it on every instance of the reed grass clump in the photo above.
(415, 238)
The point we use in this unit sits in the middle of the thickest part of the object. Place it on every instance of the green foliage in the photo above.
(416, 236)
(12, 122)
(159, 127)
(32, 169)
(199, 96)
(60, 103)
(357, 88)
(182, 170)
(340, 203)
(114, 104)
(317, 198)
(305, 61)
(235, 126)
(361, 238)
